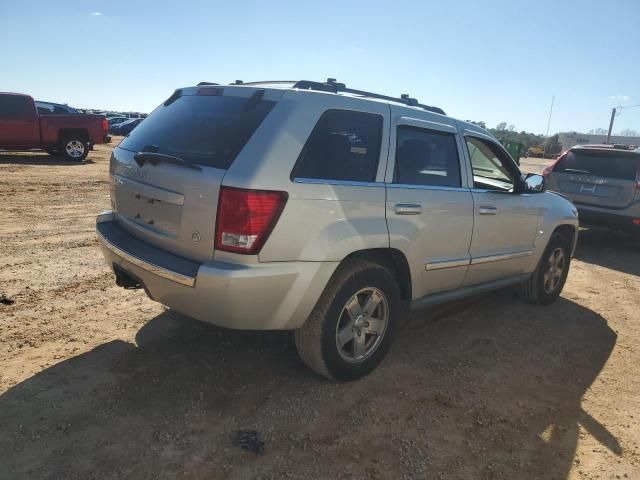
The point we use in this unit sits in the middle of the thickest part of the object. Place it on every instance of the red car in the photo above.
(21, 128)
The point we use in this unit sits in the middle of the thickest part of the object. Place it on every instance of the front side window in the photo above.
(344, 146)
(490, 170)
(426, 157)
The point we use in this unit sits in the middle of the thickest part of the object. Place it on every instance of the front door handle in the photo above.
(407, 209)
(487, 210)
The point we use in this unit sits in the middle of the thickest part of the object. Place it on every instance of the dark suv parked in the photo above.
(604, 183)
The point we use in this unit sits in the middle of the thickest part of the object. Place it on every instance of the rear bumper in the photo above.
(262, 296)
(622, 219)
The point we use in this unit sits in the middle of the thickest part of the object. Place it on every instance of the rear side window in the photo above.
(344, 145)
(426, 157)
(14, 106)
(621, 166)
(207, 130)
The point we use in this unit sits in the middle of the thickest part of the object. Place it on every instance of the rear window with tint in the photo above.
(13, 106)
(202, 129)
(618, 165)
(344, 146)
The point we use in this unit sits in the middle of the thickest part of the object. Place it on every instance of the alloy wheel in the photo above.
(362, 324)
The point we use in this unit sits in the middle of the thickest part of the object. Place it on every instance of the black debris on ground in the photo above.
(4, 300)
(249, 440)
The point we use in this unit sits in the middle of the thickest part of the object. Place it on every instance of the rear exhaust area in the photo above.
(125, 279)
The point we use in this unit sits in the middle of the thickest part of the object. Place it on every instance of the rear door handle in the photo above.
(487, 210)
(407, 209)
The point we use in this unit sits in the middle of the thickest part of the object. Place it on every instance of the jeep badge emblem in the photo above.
(195, 236)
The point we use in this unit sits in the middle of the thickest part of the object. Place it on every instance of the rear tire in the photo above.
(352, 326)
(545, 285)
(74, 148)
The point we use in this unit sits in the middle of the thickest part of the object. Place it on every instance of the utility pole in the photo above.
(550, 111)
(613, 116)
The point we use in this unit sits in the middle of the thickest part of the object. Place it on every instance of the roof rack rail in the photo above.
(623, 146)
(260, 82)
(331, 85)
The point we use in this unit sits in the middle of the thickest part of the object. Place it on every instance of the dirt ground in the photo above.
(97, 382)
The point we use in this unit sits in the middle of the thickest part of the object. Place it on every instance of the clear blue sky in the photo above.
(482, 60)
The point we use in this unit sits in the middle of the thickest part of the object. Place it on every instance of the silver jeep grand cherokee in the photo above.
(313, 207)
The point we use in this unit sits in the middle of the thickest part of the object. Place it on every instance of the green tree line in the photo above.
(508, 133)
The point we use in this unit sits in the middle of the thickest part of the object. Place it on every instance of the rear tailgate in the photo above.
(171, 200)
(598, 177)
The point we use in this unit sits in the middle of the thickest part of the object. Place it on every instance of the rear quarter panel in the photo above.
(322, 220)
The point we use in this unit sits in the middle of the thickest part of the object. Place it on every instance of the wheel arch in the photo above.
(82, 133)
(569, 231)
(393, 260)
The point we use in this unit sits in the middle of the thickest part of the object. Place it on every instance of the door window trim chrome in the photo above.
(347, 183)
(427, 187)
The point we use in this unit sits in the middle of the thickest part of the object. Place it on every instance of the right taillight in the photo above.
(246, 217)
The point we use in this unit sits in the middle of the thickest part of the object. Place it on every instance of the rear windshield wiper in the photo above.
(575, 170)
(155, 158)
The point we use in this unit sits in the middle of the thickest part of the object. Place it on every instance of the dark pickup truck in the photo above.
(21, 128)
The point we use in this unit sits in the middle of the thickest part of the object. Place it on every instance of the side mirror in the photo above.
(534, 183)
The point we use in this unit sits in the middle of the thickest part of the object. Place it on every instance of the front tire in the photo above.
(352, 326)
(74, 148)
(545, 285)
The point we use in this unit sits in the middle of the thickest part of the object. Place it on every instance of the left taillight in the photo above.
(105, 125)
(246, 218)
(548, 170)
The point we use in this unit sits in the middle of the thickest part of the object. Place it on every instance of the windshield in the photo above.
(201, 129)
(609, 164)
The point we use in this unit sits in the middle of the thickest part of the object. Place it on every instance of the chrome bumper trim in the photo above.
(150, 267)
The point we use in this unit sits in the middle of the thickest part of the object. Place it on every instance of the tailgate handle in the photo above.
(487, 210)
(149, 191)
(408, 209)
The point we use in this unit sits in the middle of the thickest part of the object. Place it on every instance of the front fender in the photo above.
(555, 211)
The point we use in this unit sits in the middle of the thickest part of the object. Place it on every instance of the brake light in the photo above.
(246, 218)
(105, 125)
(547, 171)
